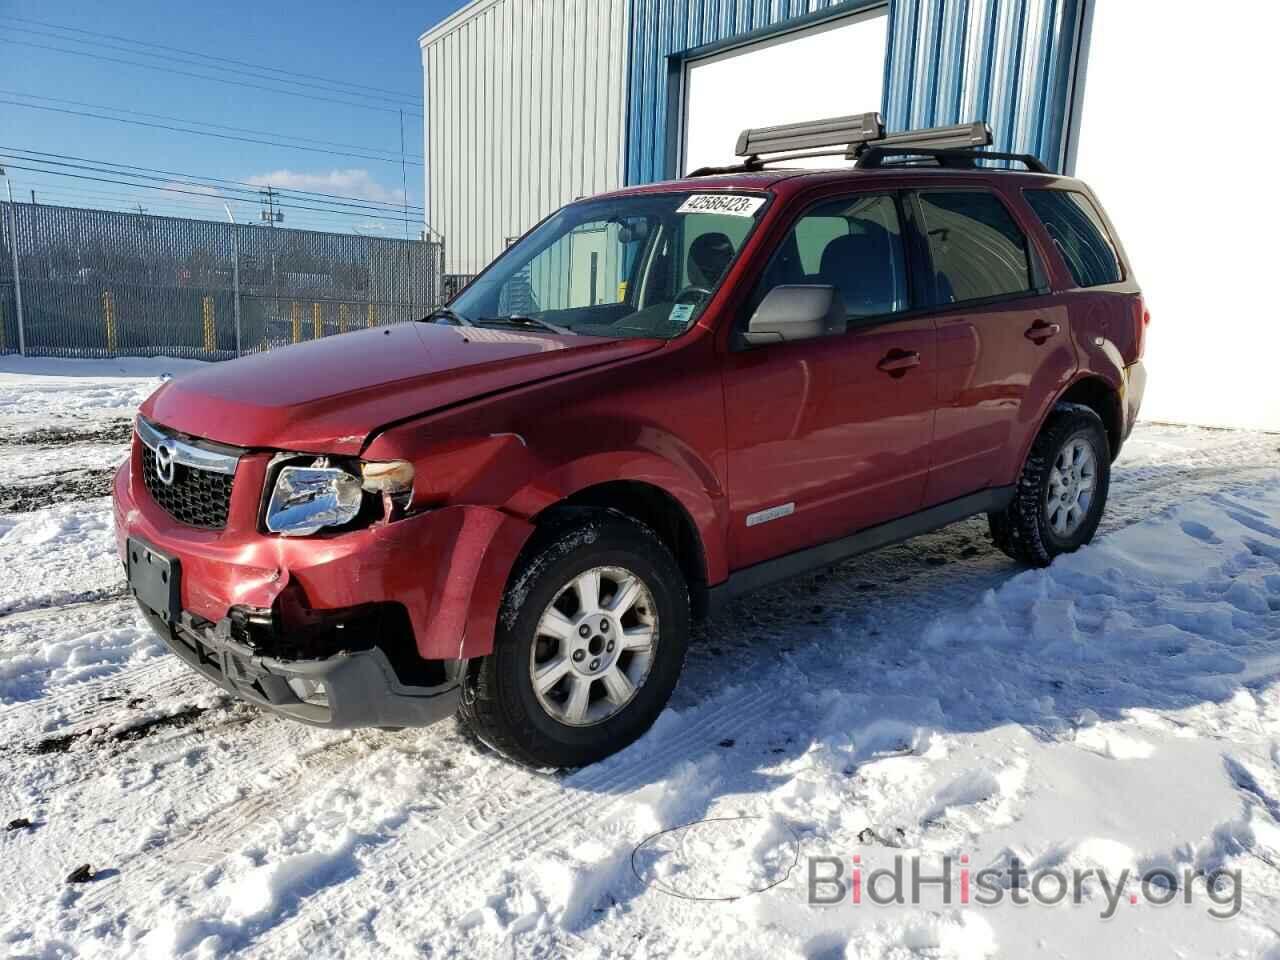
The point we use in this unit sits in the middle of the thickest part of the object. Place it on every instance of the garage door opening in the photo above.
(832, 69)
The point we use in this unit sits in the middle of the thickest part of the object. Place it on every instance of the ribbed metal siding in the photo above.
(525, 112)
(1008, 62)
(1005, 61)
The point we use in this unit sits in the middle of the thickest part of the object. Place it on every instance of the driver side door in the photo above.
(831, 435)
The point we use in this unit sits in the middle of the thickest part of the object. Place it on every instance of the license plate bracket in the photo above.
(154, 578)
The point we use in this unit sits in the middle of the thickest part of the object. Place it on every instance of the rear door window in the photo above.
(977, 249)
(1078, 231)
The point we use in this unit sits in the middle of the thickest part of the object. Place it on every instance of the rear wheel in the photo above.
(589, 646)
(1062, 491)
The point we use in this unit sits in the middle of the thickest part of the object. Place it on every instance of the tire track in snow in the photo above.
(92, 702)
(425, 858)
(214, 825)
(86, 598)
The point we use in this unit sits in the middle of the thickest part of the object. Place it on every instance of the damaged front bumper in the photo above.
(367, 627)
(349, 688)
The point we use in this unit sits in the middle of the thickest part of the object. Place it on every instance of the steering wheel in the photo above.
(692, 293)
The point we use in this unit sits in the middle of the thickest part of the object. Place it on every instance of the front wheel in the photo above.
(1062, 491)
(590, 643)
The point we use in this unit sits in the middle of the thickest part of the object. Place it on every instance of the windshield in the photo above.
(636, 266)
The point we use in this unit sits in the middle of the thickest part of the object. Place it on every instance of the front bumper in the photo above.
(355, 688)
(444, 571)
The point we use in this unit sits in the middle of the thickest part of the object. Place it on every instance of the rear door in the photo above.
(831, 435)
(1004, 350)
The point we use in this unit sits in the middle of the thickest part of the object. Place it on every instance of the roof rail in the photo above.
(861, 137)
(962, 159)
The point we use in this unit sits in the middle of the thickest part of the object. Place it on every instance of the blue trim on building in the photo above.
(1009, 62)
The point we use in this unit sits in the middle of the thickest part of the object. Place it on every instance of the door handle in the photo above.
(1040, 331)
(897, 362)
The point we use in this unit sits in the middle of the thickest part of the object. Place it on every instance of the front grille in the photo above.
(199, 498)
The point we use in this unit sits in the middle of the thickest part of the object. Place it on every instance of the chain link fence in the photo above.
(98, 283)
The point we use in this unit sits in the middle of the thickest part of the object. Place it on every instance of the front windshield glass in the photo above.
(635, 266)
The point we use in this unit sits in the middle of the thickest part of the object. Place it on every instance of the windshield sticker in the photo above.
(680, 315)
(729, 204)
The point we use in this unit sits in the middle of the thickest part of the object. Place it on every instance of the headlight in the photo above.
(307, 499)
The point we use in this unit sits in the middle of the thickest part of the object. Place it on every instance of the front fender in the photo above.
(706, 510)
(502, 470)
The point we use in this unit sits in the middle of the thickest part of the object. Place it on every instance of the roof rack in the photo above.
(790, 137)
(861, 137)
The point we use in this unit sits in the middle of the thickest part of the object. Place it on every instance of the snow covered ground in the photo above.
(1118, 713)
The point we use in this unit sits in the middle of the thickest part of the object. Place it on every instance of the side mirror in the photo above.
(796, 312)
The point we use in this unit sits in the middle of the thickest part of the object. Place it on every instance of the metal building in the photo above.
(524, 113)
(534, 102)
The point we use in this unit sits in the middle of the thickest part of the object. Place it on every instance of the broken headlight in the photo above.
(307, 499)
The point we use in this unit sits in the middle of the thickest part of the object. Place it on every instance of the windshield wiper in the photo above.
(520, 320)
(444, 313)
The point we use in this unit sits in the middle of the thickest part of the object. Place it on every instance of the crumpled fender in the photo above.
(469, 553)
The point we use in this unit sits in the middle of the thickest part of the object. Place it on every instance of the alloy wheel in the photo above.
(1072, 481)
(594, 646)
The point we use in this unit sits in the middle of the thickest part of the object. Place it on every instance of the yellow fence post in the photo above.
(109, 319)
(342, 318)
(295, 313)
(210, 333)
(373, 315)
(317, 321)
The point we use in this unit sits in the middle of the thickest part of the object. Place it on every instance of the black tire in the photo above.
(500, 706)
(1023, 530)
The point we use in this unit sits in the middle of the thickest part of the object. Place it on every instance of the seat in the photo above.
(863, 268)
(709, 256)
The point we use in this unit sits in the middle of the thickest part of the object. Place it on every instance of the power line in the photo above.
(396, 99)
(62, 160)
(197, 76)
(141, 186)
(208, 56)
(205, 133)
(205, 123)
(163, 205)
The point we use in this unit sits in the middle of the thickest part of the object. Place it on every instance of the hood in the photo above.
(328, 395)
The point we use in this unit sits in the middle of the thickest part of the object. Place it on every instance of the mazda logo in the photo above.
(165, 452)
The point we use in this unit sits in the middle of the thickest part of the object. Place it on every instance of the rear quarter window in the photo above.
(1079, 234)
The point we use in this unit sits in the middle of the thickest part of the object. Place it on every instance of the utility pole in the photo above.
(33, 197)
(270, 215)
(235, 272)
(141, 208)
(404, 178)
(17, 277)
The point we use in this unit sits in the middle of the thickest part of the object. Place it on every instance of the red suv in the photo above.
(657, 399)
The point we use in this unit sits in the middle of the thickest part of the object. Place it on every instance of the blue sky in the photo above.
(373, 44)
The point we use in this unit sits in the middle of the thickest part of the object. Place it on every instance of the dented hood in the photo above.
(328, 395)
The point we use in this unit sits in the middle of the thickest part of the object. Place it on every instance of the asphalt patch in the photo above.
(112, 431)
(59, 488)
